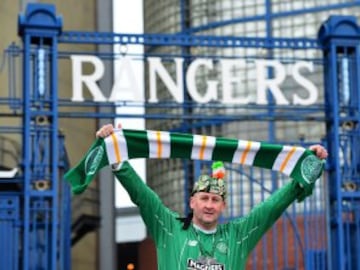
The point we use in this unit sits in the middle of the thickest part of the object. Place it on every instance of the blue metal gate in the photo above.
(322, 233)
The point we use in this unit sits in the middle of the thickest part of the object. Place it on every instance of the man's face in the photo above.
(207, 208)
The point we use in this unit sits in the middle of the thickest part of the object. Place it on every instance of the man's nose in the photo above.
(209, 204)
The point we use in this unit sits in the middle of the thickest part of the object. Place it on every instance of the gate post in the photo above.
(39, 28)
(340, 36)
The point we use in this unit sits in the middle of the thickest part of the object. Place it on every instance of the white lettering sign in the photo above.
(270, 76)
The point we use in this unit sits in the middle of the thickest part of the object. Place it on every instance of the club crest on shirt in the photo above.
(222, 247)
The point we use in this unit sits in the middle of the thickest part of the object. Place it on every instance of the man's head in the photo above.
(208, 197)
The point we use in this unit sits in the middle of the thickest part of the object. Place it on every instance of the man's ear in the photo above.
(224, 204)
(191, 202)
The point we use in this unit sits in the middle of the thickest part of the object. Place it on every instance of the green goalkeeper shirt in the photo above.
(227, 248)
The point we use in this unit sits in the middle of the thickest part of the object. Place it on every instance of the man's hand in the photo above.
(319, 151)
(106, 130)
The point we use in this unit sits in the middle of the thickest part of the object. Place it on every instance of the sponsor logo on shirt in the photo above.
(196, 265)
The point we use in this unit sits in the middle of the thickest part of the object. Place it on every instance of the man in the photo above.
(199, 241)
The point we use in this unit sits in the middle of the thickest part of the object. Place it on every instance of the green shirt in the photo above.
(230, 245)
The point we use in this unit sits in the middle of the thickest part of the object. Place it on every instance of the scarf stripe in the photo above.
(127, 144)
(136, 149)
(202, 147)
(246, 152)
(181, 145)
(224, 149)
(265, 158)
(287, 159)
(116, 147)
(159, 146)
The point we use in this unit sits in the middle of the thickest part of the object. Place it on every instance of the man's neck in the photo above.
(206, 231)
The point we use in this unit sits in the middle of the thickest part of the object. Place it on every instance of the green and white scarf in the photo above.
(297, 162)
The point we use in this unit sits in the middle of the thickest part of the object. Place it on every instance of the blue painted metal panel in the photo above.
(9, 231)
(339, 36)
(39, 28)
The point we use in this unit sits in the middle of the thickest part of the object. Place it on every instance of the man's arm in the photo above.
(254, 225)
(264, 215)
(158, 218)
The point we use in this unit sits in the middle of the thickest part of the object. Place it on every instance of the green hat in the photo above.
(214, 183)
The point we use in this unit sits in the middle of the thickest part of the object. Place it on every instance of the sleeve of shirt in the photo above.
(158, 219)
(253, 226)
